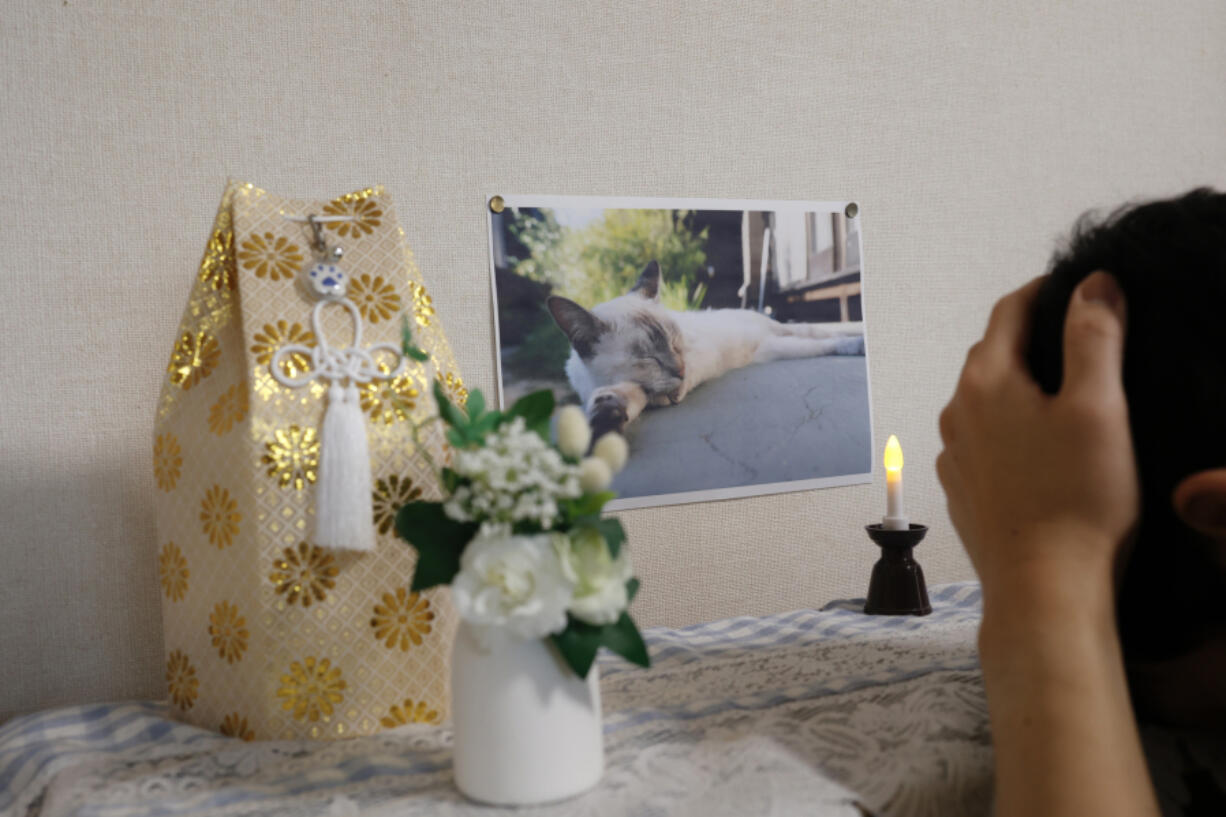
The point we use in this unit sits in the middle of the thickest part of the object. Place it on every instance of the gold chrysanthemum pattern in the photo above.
(229, 632)
(181, 680)
(388, 401)
(282, 333)
(304, 575)
(364, 213)
(230, 636)
(173, 571)
(423, 304)
(311, 689)
(195, 356)
(409, 712)
(292, 457)
(454, 388)
(217, 267)
(270, 256)
(167, 461)
(402, 620)
(388, 496)
(235, 725)
(231, 408)
(219, 516)
(376, 299)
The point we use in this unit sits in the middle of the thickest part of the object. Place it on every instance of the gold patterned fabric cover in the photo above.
(267, 635)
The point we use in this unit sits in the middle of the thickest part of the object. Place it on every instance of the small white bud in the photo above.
(594, 475)
(613, 450)
(574, 434)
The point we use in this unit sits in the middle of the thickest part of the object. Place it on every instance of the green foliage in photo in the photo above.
(603, 259)
(543, 352)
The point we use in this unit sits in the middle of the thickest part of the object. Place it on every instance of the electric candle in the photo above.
(894, 518)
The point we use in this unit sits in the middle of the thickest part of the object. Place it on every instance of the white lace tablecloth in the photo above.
(825, 712)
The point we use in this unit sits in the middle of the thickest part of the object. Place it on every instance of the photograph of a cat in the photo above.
(631, 352)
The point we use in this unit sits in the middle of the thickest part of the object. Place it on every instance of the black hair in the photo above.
(1169, 258)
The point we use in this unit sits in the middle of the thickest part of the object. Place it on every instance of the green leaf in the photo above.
(534, 408)
(451, 415)
(580, 641)
(526, 527)
(484, 425)
(540, 428)
(475, 404)
(587, 505)
(450, 481)
(624, 639)
(438, 539)
(613, 533)
(457, 438)
(406, 342)
(578, 644)
(406, 334)
(632, 590)
(611, 529)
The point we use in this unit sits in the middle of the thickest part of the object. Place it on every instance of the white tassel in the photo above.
(343, 516)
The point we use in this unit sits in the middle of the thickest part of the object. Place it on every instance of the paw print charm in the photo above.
(327, 280)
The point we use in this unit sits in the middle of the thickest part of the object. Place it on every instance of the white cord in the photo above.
(320, 219)
(343, 513)
(332, 363)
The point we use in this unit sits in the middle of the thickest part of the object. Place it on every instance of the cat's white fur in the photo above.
(706, 344)
(713, 342)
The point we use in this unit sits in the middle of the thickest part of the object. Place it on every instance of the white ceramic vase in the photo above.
(527, 730)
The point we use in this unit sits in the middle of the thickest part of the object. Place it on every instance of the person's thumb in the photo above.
(1094, 337)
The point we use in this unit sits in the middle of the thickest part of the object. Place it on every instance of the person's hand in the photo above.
(1040, 487)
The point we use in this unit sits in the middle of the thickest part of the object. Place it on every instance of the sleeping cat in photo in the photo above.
(631, 352)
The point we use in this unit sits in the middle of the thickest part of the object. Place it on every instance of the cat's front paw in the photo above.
(607, 413)
(850, 346)
(668, 398)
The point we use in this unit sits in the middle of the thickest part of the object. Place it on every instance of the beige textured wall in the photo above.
(971, 133)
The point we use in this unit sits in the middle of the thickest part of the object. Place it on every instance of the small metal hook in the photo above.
(318, 244)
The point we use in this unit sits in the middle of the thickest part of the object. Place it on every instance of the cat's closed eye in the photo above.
(670, 367)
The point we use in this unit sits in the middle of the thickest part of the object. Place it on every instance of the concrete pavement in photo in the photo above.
(769, 422)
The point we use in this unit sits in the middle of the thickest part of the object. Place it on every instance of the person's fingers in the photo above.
(945, 469)
(947, 424)
(1009, 325)
(1200, 501)
(1094, 338)
(955, 491)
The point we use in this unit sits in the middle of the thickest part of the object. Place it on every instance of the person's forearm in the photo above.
(1065, 738)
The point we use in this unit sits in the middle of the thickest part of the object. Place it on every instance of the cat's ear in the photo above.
(582, 327)
(648, 284)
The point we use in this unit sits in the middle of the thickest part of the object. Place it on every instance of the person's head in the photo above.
(1169, 258)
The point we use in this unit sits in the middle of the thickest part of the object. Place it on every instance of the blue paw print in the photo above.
(328, 280)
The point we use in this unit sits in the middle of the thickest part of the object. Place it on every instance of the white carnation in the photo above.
(512, 584)
(599, 580)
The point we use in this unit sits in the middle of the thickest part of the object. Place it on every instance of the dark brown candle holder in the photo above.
(897, 585)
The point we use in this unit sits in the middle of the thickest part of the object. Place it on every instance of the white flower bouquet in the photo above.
(519, 534)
